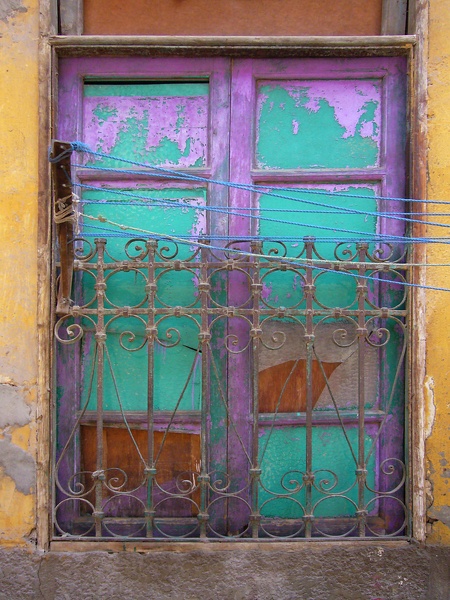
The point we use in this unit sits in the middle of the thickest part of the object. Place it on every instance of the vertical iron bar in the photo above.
(361, 473)
(309, 289)
(204, 337)
(255, 471)
(151, 337)
(100, 338)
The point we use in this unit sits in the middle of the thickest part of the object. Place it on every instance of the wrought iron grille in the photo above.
(232, 393)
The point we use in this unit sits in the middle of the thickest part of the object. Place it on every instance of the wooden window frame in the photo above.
(52, 46)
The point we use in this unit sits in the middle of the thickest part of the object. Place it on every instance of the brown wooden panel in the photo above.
(180, 454)
(232, 17)
(273, 379)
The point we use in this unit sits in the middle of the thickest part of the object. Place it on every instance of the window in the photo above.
(232, 362)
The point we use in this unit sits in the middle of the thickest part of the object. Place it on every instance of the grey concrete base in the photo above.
(310, 571)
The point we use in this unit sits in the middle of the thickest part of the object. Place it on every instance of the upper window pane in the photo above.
(161, 123)
(328, 124)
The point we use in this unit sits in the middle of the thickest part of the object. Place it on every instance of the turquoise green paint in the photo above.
(184, 216)
(146, 90)
(103, 113)
(166, 151)
(131, 144)
(172, 365)
(332, 288)
(172, 369)
(290, 136)
(368, 116)
(286, 453)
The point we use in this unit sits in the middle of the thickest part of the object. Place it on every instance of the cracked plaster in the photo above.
(18, 465)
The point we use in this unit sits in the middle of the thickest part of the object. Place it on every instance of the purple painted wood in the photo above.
(386, 175)
(232, 148)
(75, 118)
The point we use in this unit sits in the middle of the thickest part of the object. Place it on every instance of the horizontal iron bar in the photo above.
(188, 420)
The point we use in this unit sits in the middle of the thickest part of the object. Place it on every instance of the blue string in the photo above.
(268, 191)
(176, 204)
(371, 238)
(80, 146)
(144, 200)
(377, 267)
(173, 174)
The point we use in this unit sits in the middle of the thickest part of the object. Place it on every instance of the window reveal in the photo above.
(214, 393)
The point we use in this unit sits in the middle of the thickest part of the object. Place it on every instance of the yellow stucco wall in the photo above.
(19, 29)
(438, 304)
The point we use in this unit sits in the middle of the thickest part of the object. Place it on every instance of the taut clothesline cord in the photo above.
(81, 147)
(267, 190)
(146, 200)
(285, 259)
(171, 173)
(193, 239)
(259, 218)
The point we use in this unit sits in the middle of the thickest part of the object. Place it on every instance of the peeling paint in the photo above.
(17, 512)
(430, 406)
(19, 136)
(440, 514)
(428, 488)
(9, 8)
(18, 465)
(162, 124)
(13, 408)
(319, 124)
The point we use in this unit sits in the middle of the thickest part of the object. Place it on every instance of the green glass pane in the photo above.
(283, 466)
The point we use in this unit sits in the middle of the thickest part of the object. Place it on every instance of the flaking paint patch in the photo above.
(440, 514)
(150, 123)
(308, 124)
(18, 465)
(430, 406)
(14, 411)
(8, 9)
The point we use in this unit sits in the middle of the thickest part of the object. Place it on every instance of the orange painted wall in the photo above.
(233, 17)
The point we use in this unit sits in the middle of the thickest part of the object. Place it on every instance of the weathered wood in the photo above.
(419, 21)
(393, 21)
(71, 17)
(139, 418)
(48, 26)
(179, 459)
(285, 384)
(63, 219)
(412, 17)
(234, 45)
(241, 137)
(211, 544)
